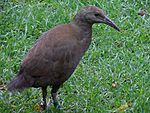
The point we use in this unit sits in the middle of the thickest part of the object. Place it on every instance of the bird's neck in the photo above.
(85, 34)
(84, 28)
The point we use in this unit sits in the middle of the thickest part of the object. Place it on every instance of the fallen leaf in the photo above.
(114, 84)
(123, 108)
(3, 87)
(142, 12)
(38, 107)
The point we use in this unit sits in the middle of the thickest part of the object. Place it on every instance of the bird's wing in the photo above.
(47, 56)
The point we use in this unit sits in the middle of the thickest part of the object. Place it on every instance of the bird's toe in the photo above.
(56, 104)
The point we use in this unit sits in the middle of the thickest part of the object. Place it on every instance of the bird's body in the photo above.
(56, 54)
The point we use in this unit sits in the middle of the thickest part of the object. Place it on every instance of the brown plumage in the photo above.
(56, 54)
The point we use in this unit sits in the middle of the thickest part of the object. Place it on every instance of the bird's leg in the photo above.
(54, 96)
(44, 94)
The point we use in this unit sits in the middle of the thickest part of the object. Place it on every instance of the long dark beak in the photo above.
(111, 23)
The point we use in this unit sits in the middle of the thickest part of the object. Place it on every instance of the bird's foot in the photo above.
(57, 106)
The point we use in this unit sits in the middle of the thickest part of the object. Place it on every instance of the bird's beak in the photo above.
(110, 23)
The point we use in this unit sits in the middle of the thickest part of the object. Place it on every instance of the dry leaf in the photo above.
(123, 108)
(38, 107)
(142, 12)
(3, 87)
(114, 84)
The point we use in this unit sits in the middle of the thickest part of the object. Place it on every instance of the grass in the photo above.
(121, 57)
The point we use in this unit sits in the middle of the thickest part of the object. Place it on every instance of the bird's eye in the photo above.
(96, 14)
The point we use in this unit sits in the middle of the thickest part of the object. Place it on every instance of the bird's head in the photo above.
(92, 14)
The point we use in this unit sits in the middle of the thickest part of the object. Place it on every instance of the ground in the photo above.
(114, 74)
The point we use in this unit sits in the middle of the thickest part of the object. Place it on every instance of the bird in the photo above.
(57, 52)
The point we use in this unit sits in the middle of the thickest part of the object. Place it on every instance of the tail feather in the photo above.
(19, 83)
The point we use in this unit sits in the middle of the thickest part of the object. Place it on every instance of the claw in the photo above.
(56, 104)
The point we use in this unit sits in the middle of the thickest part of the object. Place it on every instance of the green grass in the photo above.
(122, 57)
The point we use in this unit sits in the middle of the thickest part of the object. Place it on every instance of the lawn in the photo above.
(113, 75)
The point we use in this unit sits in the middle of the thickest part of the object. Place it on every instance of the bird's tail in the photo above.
(19, 83)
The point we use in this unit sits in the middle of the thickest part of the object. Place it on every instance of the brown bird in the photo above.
(56, 54)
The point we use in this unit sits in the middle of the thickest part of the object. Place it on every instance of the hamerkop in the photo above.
(56, 54)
